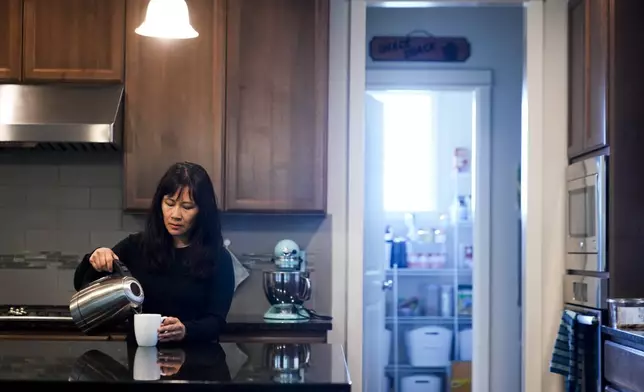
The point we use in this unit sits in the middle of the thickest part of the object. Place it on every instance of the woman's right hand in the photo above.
(102, 259)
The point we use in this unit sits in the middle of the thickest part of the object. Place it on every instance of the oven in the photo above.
(586, 215)
(585, 295)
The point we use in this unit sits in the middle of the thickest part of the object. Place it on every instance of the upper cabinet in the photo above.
(73, 40)
(10, 40)
(588, 29)
(606, 80)
(174, 100)
(246, 99)
(276, 105)
(62, 40)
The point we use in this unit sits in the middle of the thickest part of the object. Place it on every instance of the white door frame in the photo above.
(480, 83)
(533, 148)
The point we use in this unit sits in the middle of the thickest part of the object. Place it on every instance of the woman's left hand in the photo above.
(170, 360)
(172, 330)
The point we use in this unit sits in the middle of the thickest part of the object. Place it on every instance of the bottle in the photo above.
(446, 300)
(462, 211)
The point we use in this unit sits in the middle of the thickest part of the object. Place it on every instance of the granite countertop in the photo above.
(254, 323)
(80, 365)
(236, 324)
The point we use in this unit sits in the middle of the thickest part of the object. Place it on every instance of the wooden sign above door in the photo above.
(414, 48)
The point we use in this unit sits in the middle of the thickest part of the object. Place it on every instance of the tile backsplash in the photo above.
(56, 207)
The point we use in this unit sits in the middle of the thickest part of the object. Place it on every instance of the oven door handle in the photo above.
(587, 320)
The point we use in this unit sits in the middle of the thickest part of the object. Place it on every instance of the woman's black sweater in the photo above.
(201, 304)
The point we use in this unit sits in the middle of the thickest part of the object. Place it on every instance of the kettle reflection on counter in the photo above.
(95, 365)
(287, 362)
(108, 300)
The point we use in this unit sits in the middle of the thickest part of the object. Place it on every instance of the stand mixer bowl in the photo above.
(286, 287)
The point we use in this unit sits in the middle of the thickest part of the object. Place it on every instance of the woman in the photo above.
(179, 259)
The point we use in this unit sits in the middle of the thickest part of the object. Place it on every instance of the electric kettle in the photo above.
(108, 300)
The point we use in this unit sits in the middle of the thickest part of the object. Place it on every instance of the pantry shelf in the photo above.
(407, 370)
(465, 320)
(428, 272)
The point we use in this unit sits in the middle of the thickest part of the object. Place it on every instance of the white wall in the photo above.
(543, 205)
(496, 36)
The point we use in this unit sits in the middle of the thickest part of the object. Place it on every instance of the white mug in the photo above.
(146, 367)
(146, 328)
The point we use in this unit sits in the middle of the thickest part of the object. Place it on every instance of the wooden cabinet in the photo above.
(70, 40)
(276, 105)
(588, 25)
(247, 98)
(174, 100)
(62, 40)
(10, 40)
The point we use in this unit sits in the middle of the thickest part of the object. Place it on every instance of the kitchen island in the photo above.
(81, 365)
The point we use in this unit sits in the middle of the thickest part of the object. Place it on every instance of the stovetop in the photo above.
(44, 318)
(24, 313)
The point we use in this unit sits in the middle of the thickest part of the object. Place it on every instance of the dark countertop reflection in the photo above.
(225, 366)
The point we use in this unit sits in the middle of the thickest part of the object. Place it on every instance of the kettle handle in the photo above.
(120, 268)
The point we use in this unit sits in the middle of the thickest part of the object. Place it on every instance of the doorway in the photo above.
(427, 168)
(543, 91)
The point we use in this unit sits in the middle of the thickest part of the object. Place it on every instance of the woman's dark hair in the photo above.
(205, 235)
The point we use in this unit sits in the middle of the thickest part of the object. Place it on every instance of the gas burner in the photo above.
(17, 311)
(39, 318)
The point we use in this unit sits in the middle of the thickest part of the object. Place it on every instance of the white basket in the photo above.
(386, 349)
(429, 346)
(421, 383)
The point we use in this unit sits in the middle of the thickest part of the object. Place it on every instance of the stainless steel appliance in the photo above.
(589, 349)
(586, 283)
(36, 318)
(57, 116)
(586, 215)
(288, 286)
(108, 300)
(43, 318)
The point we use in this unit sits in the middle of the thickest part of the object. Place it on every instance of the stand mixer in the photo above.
(288, 286)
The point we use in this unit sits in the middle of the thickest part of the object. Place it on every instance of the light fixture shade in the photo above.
(167, 19)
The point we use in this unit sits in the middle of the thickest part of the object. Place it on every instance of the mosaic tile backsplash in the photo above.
(40, 260)
(56, 207)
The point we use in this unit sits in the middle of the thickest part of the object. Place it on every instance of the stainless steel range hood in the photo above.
(61, 115)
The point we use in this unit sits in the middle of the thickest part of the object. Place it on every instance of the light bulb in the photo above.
(167, 19)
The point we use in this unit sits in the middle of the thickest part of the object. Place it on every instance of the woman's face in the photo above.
(179, 212)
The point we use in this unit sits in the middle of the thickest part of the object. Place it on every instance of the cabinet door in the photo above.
(597, 74)
(10, 40)
(576, 77)
(174, 92)
(73, 40)
(276, 105)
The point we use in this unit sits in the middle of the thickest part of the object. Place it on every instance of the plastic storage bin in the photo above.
(420, 383)
(465, 339)
(429, 346)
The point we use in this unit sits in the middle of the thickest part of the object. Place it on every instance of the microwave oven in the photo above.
(586, 215)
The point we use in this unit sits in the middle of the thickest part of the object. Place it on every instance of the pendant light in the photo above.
(167, 19)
